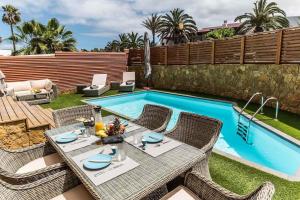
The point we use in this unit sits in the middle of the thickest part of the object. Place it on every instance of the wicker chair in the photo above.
(205, 189)
(42, 189)
(12, 160)
(199, 131)
(154, 117)
(69, 115)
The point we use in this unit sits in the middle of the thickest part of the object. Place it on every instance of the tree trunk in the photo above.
(153, 38)
(13, 40)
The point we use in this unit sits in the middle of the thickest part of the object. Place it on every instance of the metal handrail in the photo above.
(254, 95)
(269, 99)
(263, 103)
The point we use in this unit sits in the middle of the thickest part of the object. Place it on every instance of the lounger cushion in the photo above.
(40, 163)
(99, 79)
(181, 193)
(124, 84)
(127, 76)
(98, 88)
(23, 93)
(19, 86)
(76, 193)
(41, 84)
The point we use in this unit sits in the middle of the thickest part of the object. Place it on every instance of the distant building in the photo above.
(202, 32)
(5, 52)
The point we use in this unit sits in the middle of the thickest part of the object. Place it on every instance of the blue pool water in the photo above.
(268, 149)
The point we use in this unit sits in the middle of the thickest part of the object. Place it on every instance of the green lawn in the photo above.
(230, 174)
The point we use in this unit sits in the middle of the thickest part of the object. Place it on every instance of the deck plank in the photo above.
(29, 121)
(30, 117)
(10, 111)
(35, 115)
(3, 112)
(20, 114)
(36, 118)
(47, 115)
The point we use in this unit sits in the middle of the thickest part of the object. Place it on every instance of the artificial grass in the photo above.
(232, 175)
(71, 99)
(243, 179)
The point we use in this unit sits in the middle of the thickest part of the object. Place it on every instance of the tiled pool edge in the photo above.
(295, 178)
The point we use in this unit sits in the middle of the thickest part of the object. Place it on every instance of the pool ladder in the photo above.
(244, 129)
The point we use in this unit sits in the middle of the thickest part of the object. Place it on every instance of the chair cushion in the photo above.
(40, 163)
(124, 84)
(181, 193)
(19, 86)
(41, 84)
(128, 76)
(23, 93)
(76, 193)
(98, 87)
(99, 79)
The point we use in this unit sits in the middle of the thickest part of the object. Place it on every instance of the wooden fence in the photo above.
(65, 69)
(282, 46)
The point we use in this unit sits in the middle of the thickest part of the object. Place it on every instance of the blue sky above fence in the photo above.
(94, 22)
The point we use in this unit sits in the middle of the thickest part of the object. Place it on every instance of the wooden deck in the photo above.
(35, 116)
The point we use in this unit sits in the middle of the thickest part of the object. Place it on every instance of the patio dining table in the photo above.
(150, 174)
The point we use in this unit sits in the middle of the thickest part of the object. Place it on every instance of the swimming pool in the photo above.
(268, 149)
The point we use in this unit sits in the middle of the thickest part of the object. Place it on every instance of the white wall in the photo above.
(5, 52)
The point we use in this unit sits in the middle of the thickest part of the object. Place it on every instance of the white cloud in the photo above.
(108, 17)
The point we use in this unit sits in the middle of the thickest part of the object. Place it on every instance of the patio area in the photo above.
(92, 108)
(230, 174)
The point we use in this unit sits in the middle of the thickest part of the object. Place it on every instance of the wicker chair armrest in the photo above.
(43, 189)
(209, 146)
(33, 176)
(208, 190)
(55, 90)
(10, 92)
(34, 152)
(12, 160)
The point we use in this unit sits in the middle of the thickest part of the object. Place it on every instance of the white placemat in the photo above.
(100, 176)
(77, 144)
(131, 127)
(155, 149)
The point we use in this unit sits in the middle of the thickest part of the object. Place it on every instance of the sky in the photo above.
(95, 22)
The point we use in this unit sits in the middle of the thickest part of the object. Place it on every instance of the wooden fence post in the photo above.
(242, 54)
(188, 53)
(166, 55)
(279, 46)
(213, 52)
(127, 55)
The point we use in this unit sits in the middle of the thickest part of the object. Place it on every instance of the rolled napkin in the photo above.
(113, 139)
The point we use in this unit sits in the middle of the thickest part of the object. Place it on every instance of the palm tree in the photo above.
(44, 39)
(153, 24)
(135, 40)
(177, 26)
(11, 16)
(57, 38)
(265, 17)
(112, 46)
(30, 35)
(123, 41)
